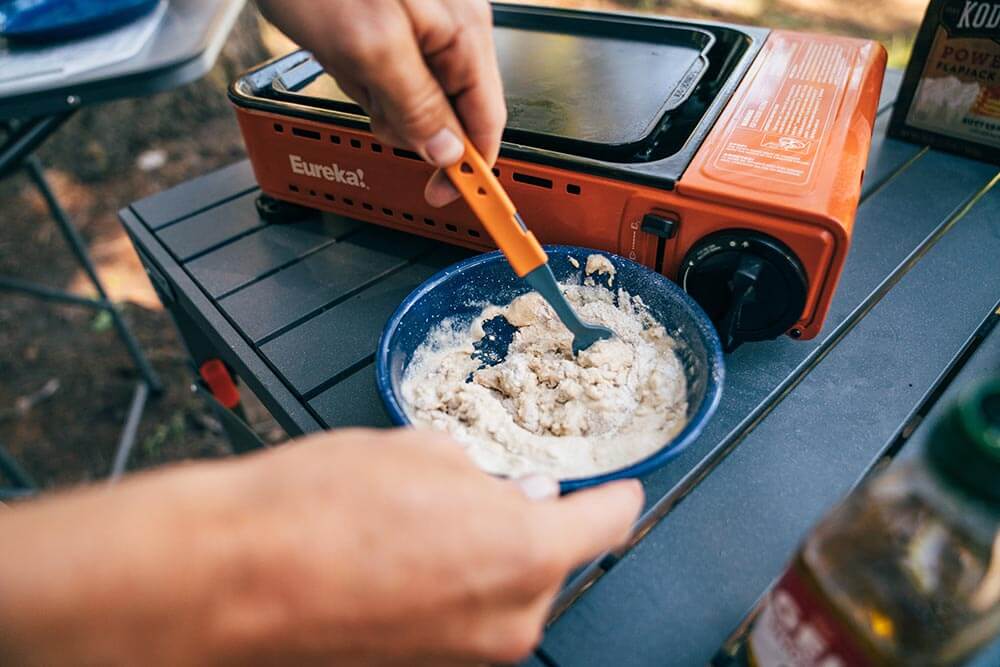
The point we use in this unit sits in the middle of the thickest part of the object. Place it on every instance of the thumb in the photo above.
(587, 523)
(408, 105)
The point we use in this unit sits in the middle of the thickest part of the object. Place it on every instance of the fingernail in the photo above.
(637, 489)
(444, 148)
(538, 487)
(440, 192)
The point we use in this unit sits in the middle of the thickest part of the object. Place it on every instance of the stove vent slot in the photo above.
(306, 134)
(661, 251)
(312, 193)
(409, 155)
(278, 127)
(573, 188)
(532, 180)
(448, 227)
(334, 139)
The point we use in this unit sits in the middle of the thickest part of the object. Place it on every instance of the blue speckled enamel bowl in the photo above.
(460, 291)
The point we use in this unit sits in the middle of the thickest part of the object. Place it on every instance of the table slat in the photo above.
(320, 280)
(340, 338)
(535, 661)
(268, 249)
(984, 362)
(886, 158)
(212, 189)
(212, 228)
(339, 407)
(890, 89)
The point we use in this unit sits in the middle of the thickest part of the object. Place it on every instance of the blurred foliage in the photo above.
(900, 46)
(172, 431)
(102, 322)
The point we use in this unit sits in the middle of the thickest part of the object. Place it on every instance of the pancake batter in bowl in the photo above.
(541, 410)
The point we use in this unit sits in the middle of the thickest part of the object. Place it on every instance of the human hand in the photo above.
(425, 71)
(357, 547)
(434, 559)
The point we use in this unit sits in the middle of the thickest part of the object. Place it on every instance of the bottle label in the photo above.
(796, 629)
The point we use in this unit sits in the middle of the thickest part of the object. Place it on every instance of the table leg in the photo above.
(241, 436)
(13, 471)
(22, 139)
(49, 294)
(79, 250)
(23, 484)
(127, 439)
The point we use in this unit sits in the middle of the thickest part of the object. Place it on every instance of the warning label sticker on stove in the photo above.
(782, 122)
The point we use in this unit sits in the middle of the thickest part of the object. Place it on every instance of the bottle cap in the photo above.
(965, 443)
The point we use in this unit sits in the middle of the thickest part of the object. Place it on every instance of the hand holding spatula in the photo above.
(474, 179)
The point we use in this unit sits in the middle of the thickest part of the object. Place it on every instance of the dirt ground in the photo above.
(66, 380)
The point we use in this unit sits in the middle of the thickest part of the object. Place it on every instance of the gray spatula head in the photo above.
(543, 281)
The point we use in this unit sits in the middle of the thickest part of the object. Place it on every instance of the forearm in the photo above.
(360, 547)
(139, 573)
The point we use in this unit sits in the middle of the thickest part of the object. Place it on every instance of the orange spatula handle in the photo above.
(487, 199)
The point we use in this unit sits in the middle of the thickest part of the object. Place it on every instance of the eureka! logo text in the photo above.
(331, 172)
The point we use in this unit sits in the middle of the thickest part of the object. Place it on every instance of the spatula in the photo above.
(474, 179)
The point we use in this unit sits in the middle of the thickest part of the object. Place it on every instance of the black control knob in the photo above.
(750, 284)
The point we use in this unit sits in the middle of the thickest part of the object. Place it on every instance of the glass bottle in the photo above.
(906, 570)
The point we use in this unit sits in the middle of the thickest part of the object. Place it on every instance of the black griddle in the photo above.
(550, 77)
(625, 96)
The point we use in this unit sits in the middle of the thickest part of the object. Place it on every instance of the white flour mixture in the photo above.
(541, 410)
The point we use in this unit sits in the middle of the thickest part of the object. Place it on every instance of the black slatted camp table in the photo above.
(295, 309)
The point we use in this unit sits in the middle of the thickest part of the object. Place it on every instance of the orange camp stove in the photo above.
(728, 158)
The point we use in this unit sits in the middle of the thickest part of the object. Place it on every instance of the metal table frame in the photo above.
(183, 49)
(295, 309)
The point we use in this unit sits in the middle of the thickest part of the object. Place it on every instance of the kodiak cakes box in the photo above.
(950, 98)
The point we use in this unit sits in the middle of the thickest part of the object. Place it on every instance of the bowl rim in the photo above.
(669, 450)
